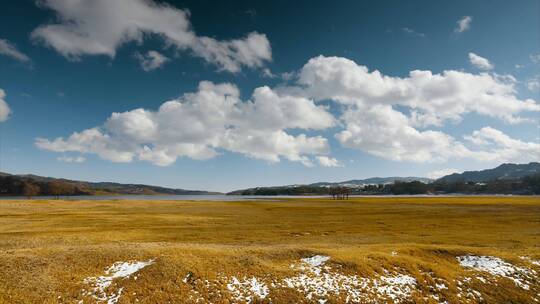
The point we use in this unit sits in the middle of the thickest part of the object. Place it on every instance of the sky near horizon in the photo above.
(222, 95)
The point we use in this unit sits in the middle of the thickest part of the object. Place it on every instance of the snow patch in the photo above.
(528, 259)
(440, 286)
(397, 287)
(247, 290)
(318, 282)
(314, 279)
(119, 270)
(498, 267)
(464, 291)
(316, 260)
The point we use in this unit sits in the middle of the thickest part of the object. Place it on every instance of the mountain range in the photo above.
(15, 184)
(354, 183)
(502, 172)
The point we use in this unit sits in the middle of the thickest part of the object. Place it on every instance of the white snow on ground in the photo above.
(465, 292)
(318, 282)
(119, 270)
(440, 286)
(245, 289)
(498, 267)
(316, 260)
(528, 259)
(317, 286)
(313, 264)
(314, 279)
(397, 287)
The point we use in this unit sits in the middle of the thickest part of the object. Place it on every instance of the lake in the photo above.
(213, 197)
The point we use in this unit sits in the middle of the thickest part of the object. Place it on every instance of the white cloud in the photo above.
(533, 84)
(430, 98)
(443, 172)
(4, 108)
(100, 27)
(463, 24)
(199, 124)
(389, 117)
(288, 75)
(412, 32)
(326, 161)
(382, 131)
(535, 58)
(8, 49)
(373, 125)
(89, 141)
(69, 159)
(266, 72)
(480, 62)
(387, 133)
(151, 60)
(498, 147)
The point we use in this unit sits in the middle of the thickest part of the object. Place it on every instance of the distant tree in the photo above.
(532, 183)
(30, 189)
(57, 188)
(414, 187)
(340, 193)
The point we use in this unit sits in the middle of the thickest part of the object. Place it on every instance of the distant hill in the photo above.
(17, 184)
(504, 179)
(502, 172)
(371, 181)
(322, 188)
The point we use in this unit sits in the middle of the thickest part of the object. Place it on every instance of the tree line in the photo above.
(14, 186)
(527, 185)
(17, 186)
(524, 186)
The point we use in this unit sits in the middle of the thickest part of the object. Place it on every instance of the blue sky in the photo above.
(61, 77)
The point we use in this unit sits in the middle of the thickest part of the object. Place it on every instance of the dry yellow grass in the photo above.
(47, 248)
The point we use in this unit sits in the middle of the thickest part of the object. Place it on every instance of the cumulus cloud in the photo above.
(443, 172)
(69, 159)
(151, 60)
(389, 117)
(382, 131)
(327, 161)
(9, 49)
(199, 124)
(480, 62)
(430, 98)
(373, 124)
(499, 147)
(463, 24)
(100, 27)
(4, 108)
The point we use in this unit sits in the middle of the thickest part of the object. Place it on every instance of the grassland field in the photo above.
(252, 251)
